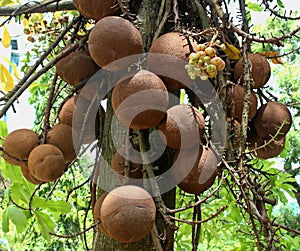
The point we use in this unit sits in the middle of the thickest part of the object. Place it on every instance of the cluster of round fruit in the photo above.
(205, 63)
(40, 162)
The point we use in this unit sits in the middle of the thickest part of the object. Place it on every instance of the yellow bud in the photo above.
(210, 51)
(223, 47)
(201, 47)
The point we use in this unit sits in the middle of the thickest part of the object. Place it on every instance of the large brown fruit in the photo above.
(66, 116)
(195, 169)
(97, 212)
(170, 67)
(27, 175)
(118, 164)
(114, 38)
(61, 135)
(128, 214)
(183, 127)
(265, 149)
(270, 118)
(140, 101)
(46, 163)
(18, 144)
(261, 70)
(235, 100)
(96, 9)
(76, 67)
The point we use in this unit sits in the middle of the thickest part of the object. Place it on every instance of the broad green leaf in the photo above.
(6, 37)
(11, 172)
(54, 206)
(5, 221)
(45, 223)
(18, 217)
(21, 192)
(254, 6)
(7, 81)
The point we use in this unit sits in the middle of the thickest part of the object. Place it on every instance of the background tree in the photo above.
(237, 213)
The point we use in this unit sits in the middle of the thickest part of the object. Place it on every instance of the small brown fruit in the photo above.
(67, 110)
(18, 144)
(235, 100)
(183, 127)
(46, 163)
(128, 214)
(261, 70)
(176, 55)
(27, 175)
(140, 101)
(66, 116)
(76, 67)
(96, 9)
(265, 149)
(114, 38)
(61, 135)
(195, 169)
(270, 118)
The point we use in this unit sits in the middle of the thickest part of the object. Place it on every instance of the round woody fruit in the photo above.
(272, 119)
(128, 213)
(176, 52)
(70, 68)
(113, 38)
(46, 163)
(261, 70)
(141, 100)
(195, 176)
(96, 9)
(183, 127)
(18, 145)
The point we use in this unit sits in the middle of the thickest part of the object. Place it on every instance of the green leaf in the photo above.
(45, 223)
(254, 6)
(5, 221)
(60, 206)
(22, 191)
(18, 217)
(280, 3)
(3, 129)
(11, 172)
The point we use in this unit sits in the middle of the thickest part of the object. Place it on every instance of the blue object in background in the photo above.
(5, 242)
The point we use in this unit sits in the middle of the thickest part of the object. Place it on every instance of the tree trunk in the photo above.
(150, 20)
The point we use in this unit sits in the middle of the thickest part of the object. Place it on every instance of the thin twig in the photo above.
(48, 109)
(164, 19)
(177, 210)
(220, 210)
(17, 10)
(76, 234)
(286, 228)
